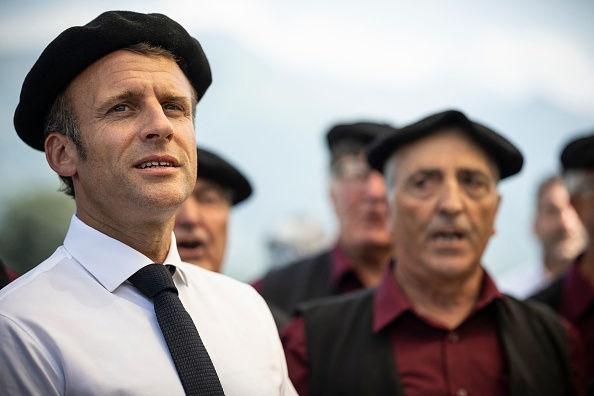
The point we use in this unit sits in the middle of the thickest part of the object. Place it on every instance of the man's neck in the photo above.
(368, 263)
(152, 239)
(445, 301)
(555, 266)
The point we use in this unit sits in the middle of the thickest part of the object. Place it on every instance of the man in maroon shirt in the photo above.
(573, 295)
(436, 325)
(362, 249)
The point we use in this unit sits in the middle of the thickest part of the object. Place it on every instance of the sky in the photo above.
(284, 72)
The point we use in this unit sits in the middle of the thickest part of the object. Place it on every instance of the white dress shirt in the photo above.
(74, 325)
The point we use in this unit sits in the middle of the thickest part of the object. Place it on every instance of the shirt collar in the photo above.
(108, 260)
(340, 267)
(578, 293)
(390, 302)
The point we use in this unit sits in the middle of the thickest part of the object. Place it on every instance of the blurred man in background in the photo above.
(573, 294)
(561, 238)
(201, 222)
(362, 249)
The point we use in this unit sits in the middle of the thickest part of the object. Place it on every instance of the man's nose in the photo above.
(450, 198)
(156, 124)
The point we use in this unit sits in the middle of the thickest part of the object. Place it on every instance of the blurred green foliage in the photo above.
(33, 223)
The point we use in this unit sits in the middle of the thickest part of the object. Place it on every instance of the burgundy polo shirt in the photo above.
(431, 359)
(342, 277)
(577, 305)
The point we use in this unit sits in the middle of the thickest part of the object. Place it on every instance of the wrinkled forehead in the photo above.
(118, 69)
(447, 147)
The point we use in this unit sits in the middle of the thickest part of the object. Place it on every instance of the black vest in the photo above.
(552, 294)
(304, 280)
(352, 360)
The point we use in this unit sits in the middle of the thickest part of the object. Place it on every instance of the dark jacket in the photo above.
(305, 280)
(552, 294)
(352, 360)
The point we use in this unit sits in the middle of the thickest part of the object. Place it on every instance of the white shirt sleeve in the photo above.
(25, 367)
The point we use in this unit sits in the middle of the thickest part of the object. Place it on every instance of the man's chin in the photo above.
(375, 240)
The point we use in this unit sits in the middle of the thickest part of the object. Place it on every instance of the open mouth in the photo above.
(448, 236)
(154, 164)
(190, 244)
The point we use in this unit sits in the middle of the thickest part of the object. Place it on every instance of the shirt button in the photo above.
(454, 338)
(461, 392)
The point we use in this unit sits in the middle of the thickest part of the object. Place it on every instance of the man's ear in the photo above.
(61, 154)
(333, 196)
(499, 199)
(576, 202)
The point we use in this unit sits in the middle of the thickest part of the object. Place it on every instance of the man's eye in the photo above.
(211, 198)
(472, 181)
(420, 183)
(424, 185)
(171, 106)
(120, 107)
(476, 184)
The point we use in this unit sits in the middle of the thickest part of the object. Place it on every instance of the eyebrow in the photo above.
(437, 172)
(477, 172)
(427, 172)
(127, 94)
(106, 103)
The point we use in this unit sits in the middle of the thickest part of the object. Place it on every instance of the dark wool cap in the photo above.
(214, 168)
(363, 132)
(79, 46)
(579, 153)
(506, 156)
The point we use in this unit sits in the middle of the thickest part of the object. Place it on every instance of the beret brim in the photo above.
(579, 153)
(78, 47)
(213, 167)
(506, 156)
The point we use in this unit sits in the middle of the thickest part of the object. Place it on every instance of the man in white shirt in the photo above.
(112, 104)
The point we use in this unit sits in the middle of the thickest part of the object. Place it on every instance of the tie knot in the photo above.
(153, 279)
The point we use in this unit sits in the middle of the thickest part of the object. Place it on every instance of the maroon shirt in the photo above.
(431, 359)
(342, 277)
(577, 305)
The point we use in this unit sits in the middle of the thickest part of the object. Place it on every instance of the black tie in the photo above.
(193, 364)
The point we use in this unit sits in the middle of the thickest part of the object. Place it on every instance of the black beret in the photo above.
(506, 156)
(579, 153)
(215, 168)
(363, 132)
(79, 46)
